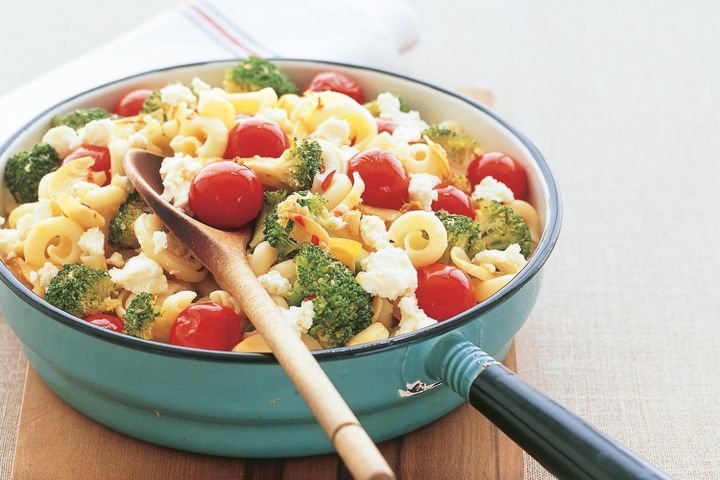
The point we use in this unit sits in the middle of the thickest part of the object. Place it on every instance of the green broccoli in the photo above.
(276, 234)
(121, 232)
(25, 169)
(374, 108)
(140, 316)
(294, 169)
(153, 102)
(460, 148)
(81, 290)
(462, 232)
(255, 73)
(501, 227)
(341, 307)
(78, 118)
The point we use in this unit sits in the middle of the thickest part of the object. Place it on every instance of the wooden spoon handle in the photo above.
(356, 448)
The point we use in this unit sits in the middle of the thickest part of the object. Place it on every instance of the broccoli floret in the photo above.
(374, 108)
(80, 117)
(276, 234)
(121, 232)
(255, 73)
(501, 227)
(460, 148)
(140, 315)
(295, 169)
(25, 169)
(81, 290)
(341, 307)
(307, 204)
(153, 102)
(462, 232)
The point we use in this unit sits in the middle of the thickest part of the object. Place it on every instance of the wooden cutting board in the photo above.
(55, 442)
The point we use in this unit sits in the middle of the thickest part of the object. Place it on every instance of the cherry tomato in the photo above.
(385, 125)
(337, 82)
(256, 136)
(101, 155)
(207, 325)
(444, 291)
(502, 168)
(226, 195)
(386, 181)
(105, 320)
(453, 200)
(132, 102)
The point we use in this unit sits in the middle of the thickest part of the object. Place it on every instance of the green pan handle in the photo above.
(559, 440)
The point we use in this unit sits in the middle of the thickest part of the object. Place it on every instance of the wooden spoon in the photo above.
(223, 253)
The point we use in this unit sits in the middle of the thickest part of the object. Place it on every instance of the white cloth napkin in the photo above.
(368, 32)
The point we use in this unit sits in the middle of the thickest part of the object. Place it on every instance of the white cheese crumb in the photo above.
(198, 85)
(509, 260)
(334, 130)
(274, 283)
(406, 133)
(2, 221)
(116, 260)
(41, 211)
(422, 189)
(46, 273)
(491, 189)
(97, 132)
(412, 317)
(62, 139)
(389, 106)
(160, 241)
(177, 173)
(9, 242)
(139, 139)
(140, 274)
(277, 115)
(373, 232)
(301, 318)
(389, 273)
(177, 93)
(92, 242)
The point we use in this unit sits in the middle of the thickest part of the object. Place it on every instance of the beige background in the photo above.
(623, 98)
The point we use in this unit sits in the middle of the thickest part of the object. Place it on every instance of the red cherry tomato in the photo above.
(386, 181)
(444, 291)
(385, 125)
(337, 82)
(132, 102)
(256, 136)
(101, 155)
(226, 195)
(105, 320)
(453, 200)
(207, 325)
(502, 168)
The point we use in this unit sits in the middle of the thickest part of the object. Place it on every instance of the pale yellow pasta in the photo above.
(288, 102)
(338, 190)
(382, 311)
(262, 258)
(386, 214)
(124, 298)
(43, 186)
(307, 230)
(54, 239)
(422, 235)
(213, 104)
(200, 136)
(462, 261)
(333, 158)
(529, 216)
(484, 290)
(279, 301)
(221, 297)
(424, 158)
(207, 285)
(68, 176)
(286, 268)
(93, 261)
(174, 286)
(374, 332)
(254, 342)
(80, 213)
(184, 267)
(106, 200)
(18, 212)
(170, 308)
(250, 103)
(354, 196)
(117, 148)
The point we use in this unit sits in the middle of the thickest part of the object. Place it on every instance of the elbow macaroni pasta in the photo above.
(422, 235)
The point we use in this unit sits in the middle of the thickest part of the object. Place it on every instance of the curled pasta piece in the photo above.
(43, 186)
(307, 230)
(254, 342)
(170, 308)
(354, 196)
(214, 104)
(424, 158)
(386, 214)
(250, 103)
(221, 297)
(286, 269)
(333, 158)
(182, 266)
(288, 102)
(486, 289)
(422, 235)
(68, 176)
(279, 301)
(204, 137)
(382, 312)
(54, 239)
(18, 212)
(106, 200)
(262, 258)
(124, 298)
(338, 190)
(80, 213)
(462, 261)
(529, 216)
(374, 332)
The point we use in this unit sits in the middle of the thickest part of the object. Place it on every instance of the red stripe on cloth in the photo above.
(219, 28)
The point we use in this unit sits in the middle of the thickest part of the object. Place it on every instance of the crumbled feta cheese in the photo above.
(41, 211)
(406, 133)
(334, 130)
(301, 318)
(389, 273)
(373, 232)
(140, 274)
(177, 173)
(160, 241)
(9, 242)
(62, 139)
(422, 189)
(274, 283)
(116, 260)
(139, 139)
(277, 115)
(46, 273)
(92, 242)
(2, 221)
(389, 106)
(491, 189)
(198, 85)
(97, 132)
(412, 317)
(177, 93)
(509, 260)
